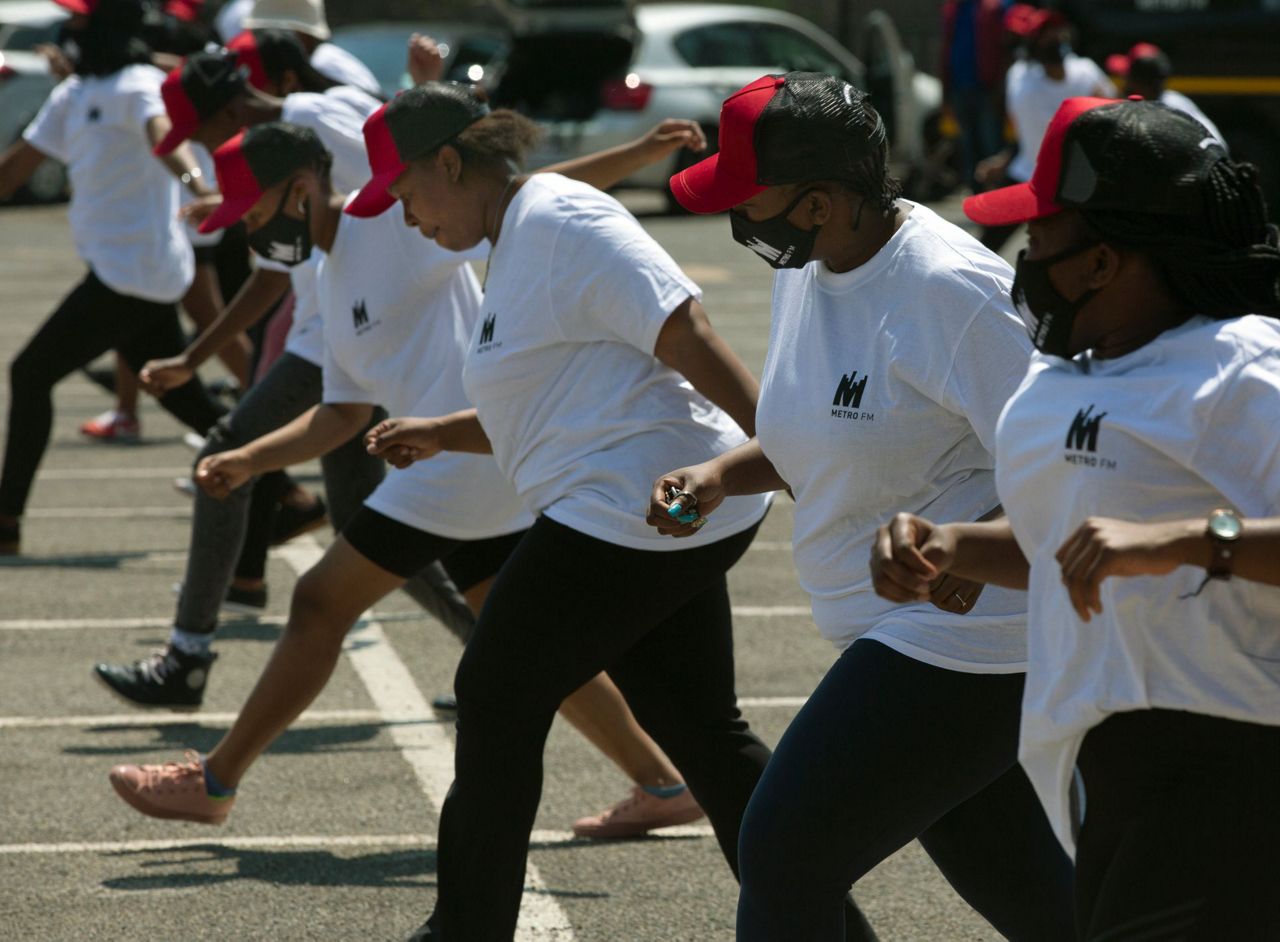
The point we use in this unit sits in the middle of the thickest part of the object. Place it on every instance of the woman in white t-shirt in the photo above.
(1139, 454)
(396, 317)
(893, 349)
(1047, 75)
(101, 122)
(592, 360)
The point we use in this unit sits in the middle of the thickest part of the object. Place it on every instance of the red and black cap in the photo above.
(268, 54)
(412, 125)
(792, 128)
(193, 92)
(1143, 61)
(84, 7)
(254, 161)
(1130, 156)
(1028, 22)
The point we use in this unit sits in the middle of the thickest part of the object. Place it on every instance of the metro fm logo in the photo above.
(848, 398)
(1082, 439)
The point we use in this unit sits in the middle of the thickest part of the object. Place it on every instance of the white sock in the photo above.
(189, 642)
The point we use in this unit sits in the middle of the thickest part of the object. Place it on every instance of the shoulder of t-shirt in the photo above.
(302, 107)
(1244, 341)
(945, 256)
(355, 98)
(139, 77)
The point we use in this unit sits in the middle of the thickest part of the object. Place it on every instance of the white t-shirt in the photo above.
(336, 63)
(398, 313)
(1171, 431)
(337, 116)
(881, 390)
(1032, 98)
(1182, 103)
(124, 203)
(561, 370)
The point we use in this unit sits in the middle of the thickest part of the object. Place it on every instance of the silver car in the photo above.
(25, 83)
(602, 74)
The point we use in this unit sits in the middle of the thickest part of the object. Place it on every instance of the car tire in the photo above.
(685, 159)
(48, 184)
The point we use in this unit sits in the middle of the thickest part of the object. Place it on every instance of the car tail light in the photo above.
(628, 94)
(6, 70)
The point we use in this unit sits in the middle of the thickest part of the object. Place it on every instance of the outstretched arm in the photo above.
(17, 164)
(610, 167)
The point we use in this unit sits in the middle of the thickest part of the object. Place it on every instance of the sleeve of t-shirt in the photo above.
(1237, 451)
(144, 101)
(1102, 82)
(991, 360)
(47, 132)
(339, 385)
(613, 282)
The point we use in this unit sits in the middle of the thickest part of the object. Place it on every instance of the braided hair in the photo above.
(1224, 262)
(870, 177)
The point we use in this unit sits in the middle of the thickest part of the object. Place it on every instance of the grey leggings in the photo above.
(291, 387)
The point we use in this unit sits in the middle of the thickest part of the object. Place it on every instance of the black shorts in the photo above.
(404, 550)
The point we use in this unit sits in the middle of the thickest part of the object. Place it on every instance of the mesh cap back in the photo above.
(816, 127)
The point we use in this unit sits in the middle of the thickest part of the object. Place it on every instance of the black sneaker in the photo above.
(294, 521)
(10, 539)
(166, 678)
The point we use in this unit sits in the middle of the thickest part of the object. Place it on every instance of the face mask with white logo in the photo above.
(284, 239)
(1048, 315)
(776, 240)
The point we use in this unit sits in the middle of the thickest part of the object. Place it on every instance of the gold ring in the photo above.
(699, 523)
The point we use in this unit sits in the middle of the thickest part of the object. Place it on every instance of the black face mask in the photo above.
(1048, 315)
(777, 241)
(1049, 54)
(284, 239)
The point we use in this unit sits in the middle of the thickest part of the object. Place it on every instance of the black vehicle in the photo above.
(1225, 55)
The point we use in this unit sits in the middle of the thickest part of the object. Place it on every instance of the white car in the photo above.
(602, 74)
(25, 82)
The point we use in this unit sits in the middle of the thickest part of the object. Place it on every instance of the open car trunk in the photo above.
(561, 54)
(559, 76)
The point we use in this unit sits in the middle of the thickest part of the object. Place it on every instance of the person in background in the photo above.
(1147, 536)
(973, 64)
(1047, 75)
(102, 123)
(306, 20)
(1144, 70)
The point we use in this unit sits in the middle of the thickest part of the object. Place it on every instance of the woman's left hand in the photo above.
(1103, 546)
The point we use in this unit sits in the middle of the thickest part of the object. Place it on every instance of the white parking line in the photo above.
(428, 749)
(82, 624)
(175, 511)
(336, 717)
(424, 841)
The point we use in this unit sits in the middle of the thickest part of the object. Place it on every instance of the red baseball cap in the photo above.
(792, 128)
(411, 125)
(78, 6)
(248, 54)
(1128, 156)
(1151, 58)
(1036, 198)
(186, 10)
(255, 160)
(1025, 21)
(205, 82)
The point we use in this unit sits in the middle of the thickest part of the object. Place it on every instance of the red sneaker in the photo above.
(113, 426)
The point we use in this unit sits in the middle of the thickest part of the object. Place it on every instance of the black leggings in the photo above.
(1181, 833)
(888, 749)
(563, 608)
(91, 320)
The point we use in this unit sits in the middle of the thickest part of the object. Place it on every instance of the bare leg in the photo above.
(327, 600)
(598, 710)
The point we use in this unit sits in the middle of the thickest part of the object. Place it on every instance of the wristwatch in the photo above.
(1223, 529)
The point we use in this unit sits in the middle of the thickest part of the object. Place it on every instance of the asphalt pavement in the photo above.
(333, 834)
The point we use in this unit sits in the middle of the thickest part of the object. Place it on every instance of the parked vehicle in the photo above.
(468, 49)
(25, 82)
(601, 74)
